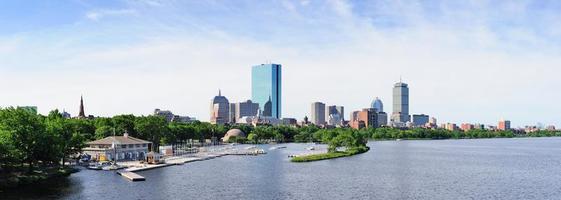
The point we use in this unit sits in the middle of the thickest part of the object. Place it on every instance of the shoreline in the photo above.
(330, 155)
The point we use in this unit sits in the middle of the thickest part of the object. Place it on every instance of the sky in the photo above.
(475, 61)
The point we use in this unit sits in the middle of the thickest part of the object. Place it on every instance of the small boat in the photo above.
(250, 147)
(311, 148)
(398, 140)
(112, 167)
(95, 167)
(277, 147)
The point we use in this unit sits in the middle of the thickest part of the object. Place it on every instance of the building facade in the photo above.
(318, 113)
(266, 82)
(400, 103)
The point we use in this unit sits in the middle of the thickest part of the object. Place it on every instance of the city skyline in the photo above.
(478, 74)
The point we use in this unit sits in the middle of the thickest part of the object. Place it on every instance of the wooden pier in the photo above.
(131, 176)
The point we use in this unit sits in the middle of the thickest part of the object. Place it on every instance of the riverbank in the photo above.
(17, 179)
(331, 155)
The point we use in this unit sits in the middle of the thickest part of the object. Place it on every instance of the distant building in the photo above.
(420, 120)
(550, 128)
(219, 110)
(245, 109)
(266, 84)
(318, 113)
(334, 115)
(467, 126)
(382, 119)
(232, 113)
(378, 105)
(66, 115)
(30, 109)
(504, 125)
(289, 121)
(366, 118)
(268, 108)
(400, 103)
(451, 126)
(170, 117)
(127, 148)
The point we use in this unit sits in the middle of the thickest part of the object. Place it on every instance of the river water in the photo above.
(527, 168)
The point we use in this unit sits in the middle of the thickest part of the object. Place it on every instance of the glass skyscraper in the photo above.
(266, 86)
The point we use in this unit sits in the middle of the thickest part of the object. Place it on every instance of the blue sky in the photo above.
(465, 61)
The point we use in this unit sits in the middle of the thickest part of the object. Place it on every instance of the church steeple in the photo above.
(82, 114)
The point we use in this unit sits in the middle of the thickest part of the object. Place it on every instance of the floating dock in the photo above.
(131, 176)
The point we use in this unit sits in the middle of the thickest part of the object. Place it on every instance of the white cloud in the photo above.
(96, 15)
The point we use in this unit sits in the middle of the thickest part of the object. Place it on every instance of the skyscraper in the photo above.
(318, 113)
(377, 104)
(246, 109)
(265, 86)
(219, 109)
(400, 103)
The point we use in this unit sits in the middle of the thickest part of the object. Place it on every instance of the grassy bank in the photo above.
(15, 179)
(331, 155)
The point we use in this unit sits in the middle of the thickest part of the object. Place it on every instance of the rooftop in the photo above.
(119, 140)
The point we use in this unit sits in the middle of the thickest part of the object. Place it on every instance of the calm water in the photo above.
(444, 169)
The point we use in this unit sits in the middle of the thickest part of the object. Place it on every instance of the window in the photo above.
(124, 146)
(143, 145)
(131, 145)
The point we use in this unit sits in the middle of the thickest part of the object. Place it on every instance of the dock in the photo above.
(131, 176)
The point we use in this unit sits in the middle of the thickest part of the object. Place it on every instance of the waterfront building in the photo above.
(550, 128)
(219, 109)
(334, 115)
(266, 87)
(378, 105)
(400, 103)
(127, 148)
(318, 113)
(245, 109)
(366, 118)
(467, 127)
(504, 125)
(82, 114)
(420, 120)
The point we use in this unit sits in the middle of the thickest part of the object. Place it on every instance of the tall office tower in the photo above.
(318, 113)
(504, 125)
(246, 109)
(219, 109)
(266, 86)
(378, 105)
(334, 115)
(400, 103)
